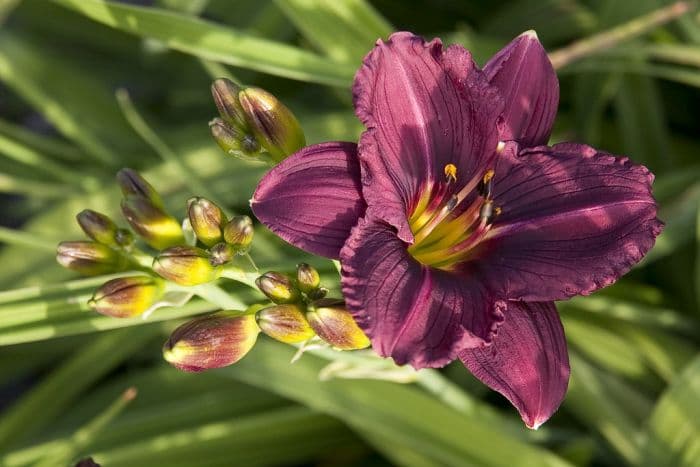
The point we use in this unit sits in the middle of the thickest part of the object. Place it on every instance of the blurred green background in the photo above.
(634, 397)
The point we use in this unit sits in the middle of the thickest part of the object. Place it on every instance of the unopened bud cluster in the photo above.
(297, 314)
(300, 311)
(253, 123)
(112, 249)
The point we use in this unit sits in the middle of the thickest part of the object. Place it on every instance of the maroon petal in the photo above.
(312, 199)
(412, 313)
(573, 221)
(527, 362)
(424, 108)
(525, 78)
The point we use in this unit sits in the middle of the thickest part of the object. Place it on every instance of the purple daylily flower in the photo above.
(455, 225)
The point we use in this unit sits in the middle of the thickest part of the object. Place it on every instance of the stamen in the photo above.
(500, 147)
(486, 211)
(451, 173)
(486, 184)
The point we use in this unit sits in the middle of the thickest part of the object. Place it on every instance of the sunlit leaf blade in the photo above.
(214, 42)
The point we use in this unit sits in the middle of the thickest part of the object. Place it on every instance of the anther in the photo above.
(500, 147)
(451, 173)
(486, 184)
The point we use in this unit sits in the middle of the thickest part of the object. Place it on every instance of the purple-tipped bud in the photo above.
(133, 184)
(278, 287)
(233, 141)
(90, 258)
(99, 227)
(307, 278)
(238, 232)
(272, 123)
(285, 323)
(127, 297)
(151, 222)
(207, 220)
(186, 265)
(211, 341)
(335, 325)
(221, 253)
(225, 93)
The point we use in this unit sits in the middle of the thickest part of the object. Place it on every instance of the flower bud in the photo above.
(277, 287)
(272, 123)
(90, 258)
(221, 253)
(206, 219)
(213, 341)
(233, 141)
(133, 184)
(239, 232)
(335, 325)
(285, 323)
(151, 222)
(225, 93)
(98, 227)
(307, 278)
(186, 265)
(127, 297)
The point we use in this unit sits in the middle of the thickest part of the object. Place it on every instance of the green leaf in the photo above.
(381, 411)
(345, 30)
(214, 42)
(60, 388)
(673, 434)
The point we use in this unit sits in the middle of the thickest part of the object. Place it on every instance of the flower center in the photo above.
(447, 226)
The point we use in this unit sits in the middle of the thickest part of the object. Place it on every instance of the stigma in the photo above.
(447, 225)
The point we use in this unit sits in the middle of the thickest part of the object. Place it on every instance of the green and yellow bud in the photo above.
(222, 253)
(232, 140)
(151, 222)
(225, 93)
(90, 258)
(213, 341)
(334, 324)
(127, 297)
(207, 220)
(272, 123)
(133, 184)
(278, 287)
(186, 265)
(285, 323)
(307, 278)
(98, 227)
(239, 232)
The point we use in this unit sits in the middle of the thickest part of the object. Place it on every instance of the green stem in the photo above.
(24, 238)
(603, 41)
(142, 128)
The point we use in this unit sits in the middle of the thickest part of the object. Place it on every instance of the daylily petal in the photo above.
(525, 78)
(312, 199)
(413, 313)
(424, 108)
(573, 221)
(527, 362)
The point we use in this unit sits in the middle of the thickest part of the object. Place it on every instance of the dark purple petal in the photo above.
(525, 78)
(312, 199)
(423, 108)
(573, 221)
(413, 313)
(527, 362)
